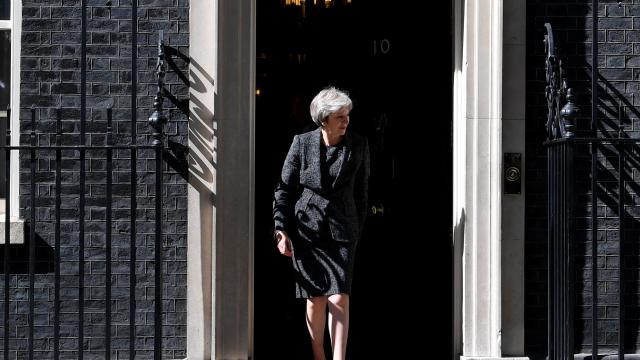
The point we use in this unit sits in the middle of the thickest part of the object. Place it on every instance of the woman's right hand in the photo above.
(284, 243)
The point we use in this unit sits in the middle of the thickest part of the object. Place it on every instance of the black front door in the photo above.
(402, 103)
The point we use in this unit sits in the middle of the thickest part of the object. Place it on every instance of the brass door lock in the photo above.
(377, 210)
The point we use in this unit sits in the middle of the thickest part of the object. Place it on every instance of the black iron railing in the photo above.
(563, 158)
(560, 264)
(567, 152)
(60, 154)
(561, 200)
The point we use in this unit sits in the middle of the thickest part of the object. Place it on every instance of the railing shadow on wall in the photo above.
(593, 217)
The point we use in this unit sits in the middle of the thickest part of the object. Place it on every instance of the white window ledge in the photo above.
(16, 228)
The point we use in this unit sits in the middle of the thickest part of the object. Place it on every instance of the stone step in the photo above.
(610, 356)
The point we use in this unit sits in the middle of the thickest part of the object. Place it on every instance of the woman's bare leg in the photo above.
(316, 322)
(339, 324)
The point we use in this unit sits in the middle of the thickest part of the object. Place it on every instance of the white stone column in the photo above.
(478, 177)
(235, 115)
(221, 184)
(203, 35)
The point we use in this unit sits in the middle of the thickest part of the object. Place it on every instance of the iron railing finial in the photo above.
(157, 118)
(562, 112)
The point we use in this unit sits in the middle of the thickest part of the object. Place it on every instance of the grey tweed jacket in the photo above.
(303, 207)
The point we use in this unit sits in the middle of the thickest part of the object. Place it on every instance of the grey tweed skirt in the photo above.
(322, 266)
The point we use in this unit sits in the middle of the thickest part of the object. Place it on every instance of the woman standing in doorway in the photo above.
(320, 205)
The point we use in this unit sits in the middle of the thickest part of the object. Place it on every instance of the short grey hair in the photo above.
(327, 102)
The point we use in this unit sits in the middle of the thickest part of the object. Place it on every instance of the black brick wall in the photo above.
(50, 78)
(618, 61)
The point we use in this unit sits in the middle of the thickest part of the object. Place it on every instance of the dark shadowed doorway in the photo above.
(402, 102)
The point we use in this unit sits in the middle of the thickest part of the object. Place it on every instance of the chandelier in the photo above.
(325, 3)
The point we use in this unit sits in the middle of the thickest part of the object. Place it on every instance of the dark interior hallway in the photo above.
(402, 103)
